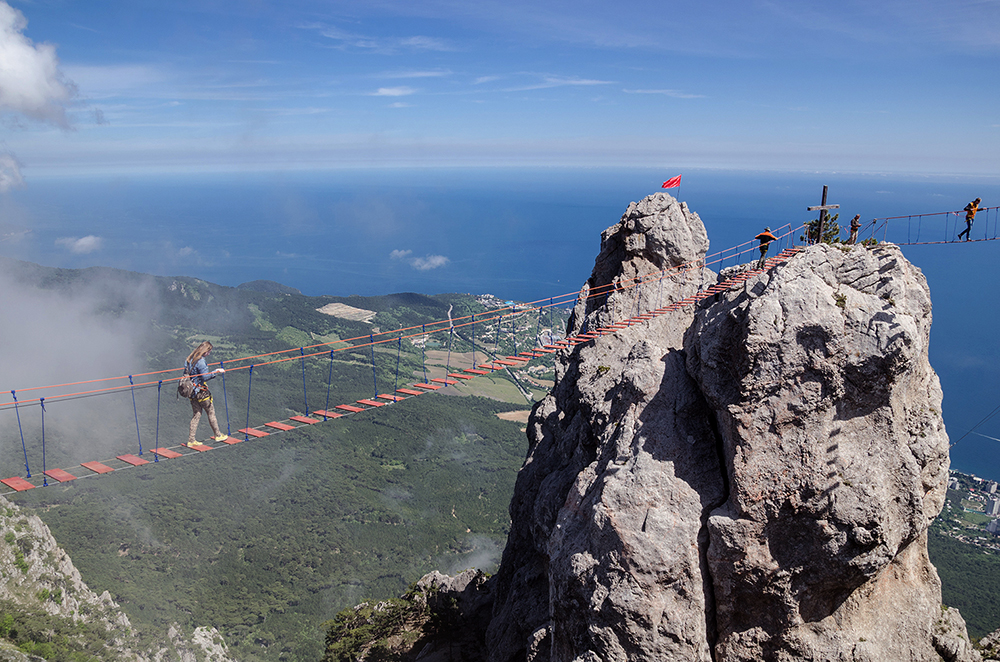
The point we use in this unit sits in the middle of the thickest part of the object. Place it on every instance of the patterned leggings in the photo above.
(197, 407)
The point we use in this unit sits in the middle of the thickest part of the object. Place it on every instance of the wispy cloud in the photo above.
(401, 91)
(485, 79)
(10, 173)
(420, 263)
(437, 73)
(676, 94)
(81, 245)
(400, 104)
(378, 44)
(558, 81)
(429, 262)
(425, 43)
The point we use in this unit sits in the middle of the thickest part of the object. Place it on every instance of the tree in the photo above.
(831, 230)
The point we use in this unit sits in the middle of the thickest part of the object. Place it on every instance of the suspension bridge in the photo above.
(30, 405)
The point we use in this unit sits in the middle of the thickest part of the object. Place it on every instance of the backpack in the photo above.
(185, 387)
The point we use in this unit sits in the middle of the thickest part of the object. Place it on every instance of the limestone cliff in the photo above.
(748, 479)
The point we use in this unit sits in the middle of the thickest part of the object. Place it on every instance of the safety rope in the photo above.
(136, 412)
(374, 378)
(447, 363)
(225, 399)
(423, 357)
(45, 476)
(27, 469)
(305, 398)
(399, 350)
(246, 435)
(159, 386)
(329, 385)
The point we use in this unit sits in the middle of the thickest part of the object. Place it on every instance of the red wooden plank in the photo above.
(553, 347)
(350, 408)
(428, 387)
(517, 358)
(491, 368)
(198, 446)
(280, 426)
(393, 398)
(544, 350)
(17, 483)
(476, 372)
(371, 403)
(231, 440)
(60, 475)
(442, 380)
(254, 433)
(304, 419)
(505, 362)
(460, 376)
(97, 467)
(166, 452)
(134, 460)
(408, 391)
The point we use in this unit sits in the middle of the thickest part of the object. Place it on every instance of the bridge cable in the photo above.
(45, 477)
(159, 386)
(136, 412)
(225, 400)
(246, 433)
(23, 448)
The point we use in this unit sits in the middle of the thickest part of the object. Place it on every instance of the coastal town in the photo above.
(971, 513)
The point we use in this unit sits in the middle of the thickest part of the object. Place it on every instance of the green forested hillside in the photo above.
(269, 538)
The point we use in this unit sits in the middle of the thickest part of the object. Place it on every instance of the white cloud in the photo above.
(429, 262)
(184, 252)
(400, 104)
(420, 263)
(401, 91)
(485, 79)
(30, 80)
(82, 245)
(10, 173)
(677, 94)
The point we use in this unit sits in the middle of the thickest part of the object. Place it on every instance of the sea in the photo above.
(522, 234)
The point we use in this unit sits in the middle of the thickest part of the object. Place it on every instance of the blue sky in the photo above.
(849, 86)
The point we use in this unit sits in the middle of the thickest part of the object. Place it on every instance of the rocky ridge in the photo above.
(38, 575)
(751, 479)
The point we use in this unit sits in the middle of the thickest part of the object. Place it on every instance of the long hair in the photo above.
(198, 352)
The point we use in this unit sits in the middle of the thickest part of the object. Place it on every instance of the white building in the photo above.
(993, 506)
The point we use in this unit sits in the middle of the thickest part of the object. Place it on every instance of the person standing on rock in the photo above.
(765, 239)
(970, 215)
(855, 226)
(201, 398)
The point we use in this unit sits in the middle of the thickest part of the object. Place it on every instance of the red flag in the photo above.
(673, 182)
